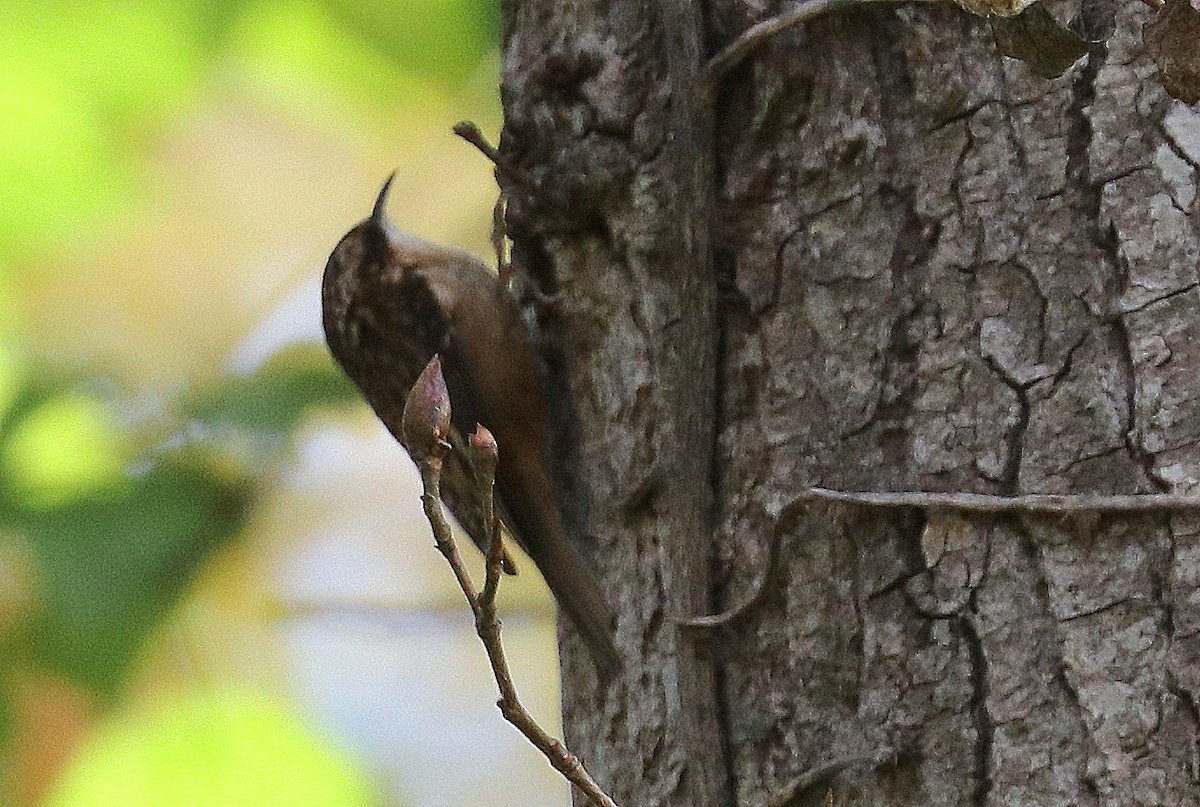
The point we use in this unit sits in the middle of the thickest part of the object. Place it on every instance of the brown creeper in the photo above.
(390, 302)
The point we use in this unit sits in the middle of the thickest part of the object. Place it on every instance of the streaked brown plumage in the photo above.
(390, 301)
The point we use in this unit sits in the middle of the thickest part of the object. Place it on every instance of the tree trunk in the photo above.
(883, 258)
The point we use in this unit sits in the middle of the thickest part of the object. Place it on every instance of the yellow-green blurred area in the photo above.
(225, 748)
(216, 587)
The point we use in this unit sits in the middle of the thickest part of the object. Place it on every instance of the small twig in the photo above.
(1027, 503)
(485, 455)
(469, 131)
(930, 500)
(487, 622)
(758, 592)
(431, 483)
(753, 37)
(821, 774)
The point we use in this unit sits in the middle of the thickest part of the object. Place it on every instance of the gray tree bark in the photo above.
(884, 258)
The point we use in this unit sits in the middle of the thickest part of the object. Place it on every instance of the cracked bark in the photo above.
(885, 258)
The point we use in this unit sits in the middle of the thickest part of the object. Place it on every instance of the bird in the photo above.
(390, 301)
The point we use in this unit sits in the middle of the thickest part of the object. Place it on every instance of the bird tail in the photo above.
(578, 594)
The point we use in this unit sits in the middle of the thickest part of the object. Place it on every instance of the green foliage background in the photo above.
(106, 513)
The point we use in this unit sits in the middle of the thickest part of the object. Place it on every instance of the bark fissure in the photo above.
(725, 272)
(979, 707)
(1173, 144)
(1133, 444)
(1079, 172)
(1078, 708)
(1010, 475)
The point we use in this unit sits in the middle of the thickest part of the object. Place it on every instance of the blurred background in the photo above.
(216, 587)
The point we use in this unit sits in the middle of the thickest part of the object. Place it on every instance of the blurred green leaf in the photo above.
(315, 61)
(442, 39)
(133, 58)
(61, 176)
(84, 86)
(274, 399)
(234, 749)
(114, 550)
(113, 564)
(11, 378)
(75, 85)
(5, 719)
(28, 421)
(88, 88)
(66, 448)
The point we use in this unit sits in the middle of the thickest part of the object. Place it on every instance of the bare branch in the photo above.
(485, 455)
(487, 622)
(431, 501)
(1028, 503)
